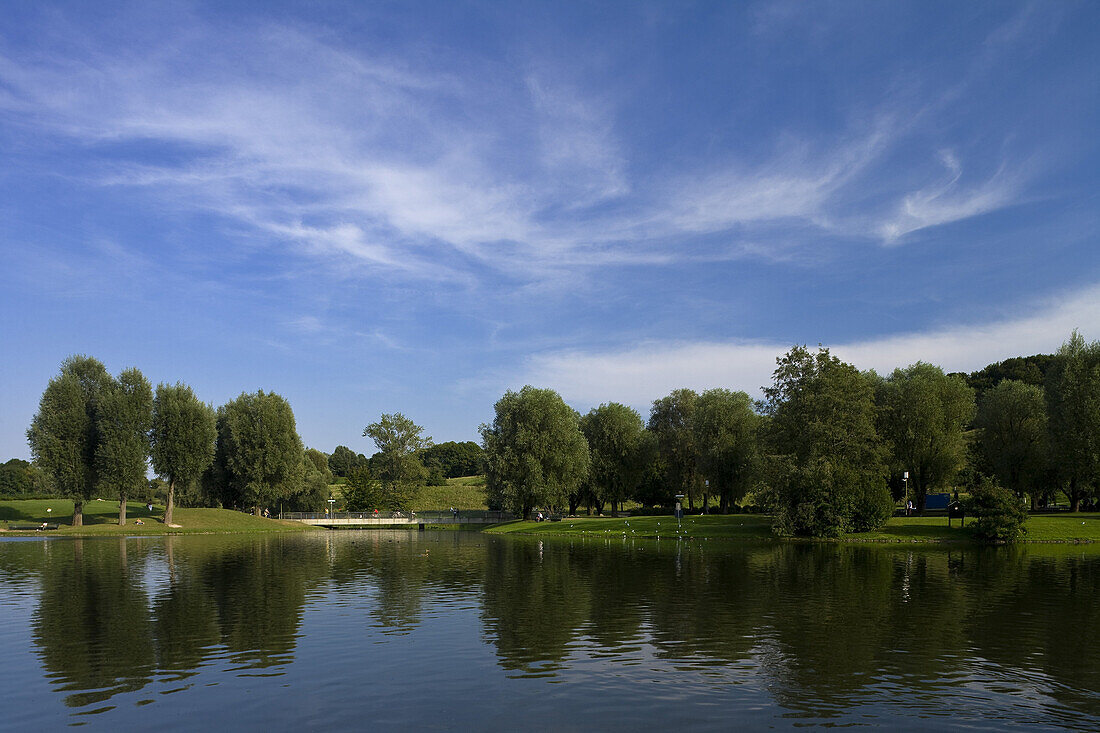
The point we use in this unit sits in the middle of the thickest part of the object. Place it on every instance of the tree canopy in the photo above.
(259, 456)
(63, 434)
(827, 474)
(1012, 417)
(399, 440)
(923, 415)
(1073, 410)
(726, 437)
(535, 453)
(184, 433)
(124, 419)
(619, 451)
(671, 420)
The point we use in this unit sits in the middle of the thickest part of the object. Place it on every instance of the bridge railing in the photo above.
(429, 517)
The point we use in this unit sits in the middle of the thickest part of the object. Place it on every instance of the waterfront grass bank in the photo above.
(1055, 528)
(101, 518)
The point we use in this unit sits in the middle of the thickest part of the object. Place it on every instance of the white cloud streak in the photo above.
(401, 169)
(638, 375)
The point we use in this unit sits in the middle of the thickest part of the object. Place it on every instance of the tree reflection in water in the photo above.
(818, 629)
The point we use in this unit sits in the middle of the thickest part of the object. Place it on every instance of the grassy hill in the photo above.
(101, 518)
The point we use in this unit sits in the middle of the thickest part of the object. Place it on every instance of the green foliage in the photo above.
(124, 419)
(671, 420)
(1031, 370)
(619, 451)
(726, 431)
(1073, 410)
(344, 459)
(999, 514)
(1012, 417)
(826, 477)
(534, 451)
(399, 440)
(184, 435)
(63, 434)
(314, 491)
(364, 493)
(923, 415)
(258, 459)
(19, 477)
(454, 460)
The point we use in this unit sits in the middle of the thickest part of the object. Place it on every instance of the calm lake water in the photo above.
(449, 631)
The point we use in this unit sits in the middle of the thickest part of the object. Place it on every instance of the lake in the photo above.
(465, 631)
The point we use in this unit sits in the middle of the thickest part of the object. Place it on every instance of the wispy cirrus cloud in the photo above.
(399, 166)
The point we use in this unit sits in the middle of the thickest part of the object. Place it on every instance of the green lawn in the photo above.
(462, 493)
(101, 517)
(1041, 528)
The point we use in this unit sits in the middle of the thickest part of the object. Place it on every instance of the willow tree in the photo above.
(726, 430)
(826, 469)
(1073, 408)
(535, 453)
(671, 420)
(124, 417)
(63, 434)
(184, 432)
(923, 415)
(620, 450)
(259, 446)
(1012, 417)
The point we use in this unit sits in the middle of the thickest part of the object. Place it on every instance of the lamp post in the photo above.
(331, 503)
(679, 511)
(905, 481)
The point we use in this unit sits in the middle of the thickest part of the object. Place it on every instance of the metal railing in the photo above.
(428, 517)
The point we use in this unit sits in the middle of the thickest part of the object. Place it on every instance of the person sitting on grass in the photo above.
(138, 521)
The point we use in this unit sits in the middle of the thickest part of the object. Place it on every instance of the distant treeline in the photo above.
(829, 449)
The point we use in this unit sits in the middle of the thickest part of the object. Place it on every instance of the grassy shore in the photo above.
(101, 518)
(1067, 528)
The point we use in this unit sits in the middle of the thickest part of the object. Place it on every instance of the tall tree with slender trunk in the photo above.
(1073, 409)
(63, 433)
(1012, 417)
(725, 430)
(535, 452)
(619, 451)
(124, 418)
(923, 415)
(184, 432)
(671, 419)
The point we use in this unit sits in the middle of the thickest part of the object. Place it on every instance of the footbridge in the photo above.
(396, 519)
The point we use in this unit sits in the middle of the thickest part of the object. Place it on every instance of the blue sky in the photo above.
(378, 207)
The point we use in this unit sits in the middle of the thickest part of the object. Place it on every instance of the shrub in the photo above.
(999, 514)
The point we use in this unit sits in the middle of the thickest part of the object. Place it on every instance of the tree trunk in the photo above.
(122, 510)
(706, 499)
(691, 503)
(171, 502)
(78, 512)
(573, 505)
(256, 511)
(723, 503)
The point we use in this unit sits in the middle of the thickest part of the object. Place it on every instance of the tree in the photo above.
(454, 459)
(19, 477)
(260, 450)
(344, 459)
(923, 415)
(398, 440)
(184, 434)
(63, 434)
(670, 419)
(1073, 410)
(826, 475)
(124, 418)
(1012, 418)
(535, 453)
(725, 431)
(619, 451)
(314, 489)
